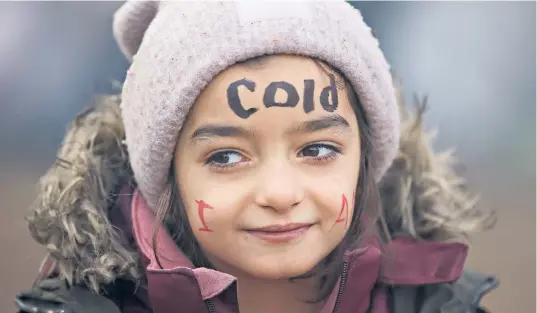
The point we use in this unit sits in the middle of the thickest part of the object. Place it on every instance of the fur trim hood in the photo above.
(421, 194)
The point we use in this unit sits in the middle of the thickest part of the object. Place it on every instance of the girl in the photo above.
(253, 163)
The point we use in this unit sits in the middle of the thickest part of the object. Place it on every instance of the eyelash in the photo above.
(220, 166)
(335, 151)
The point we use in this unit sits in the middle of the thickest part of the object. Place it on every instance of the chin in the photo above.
(276, 268)
(269, 267)
(271, 261)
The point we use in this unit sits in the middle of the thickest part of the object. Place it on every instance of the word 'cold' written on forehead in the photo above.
(269, 96)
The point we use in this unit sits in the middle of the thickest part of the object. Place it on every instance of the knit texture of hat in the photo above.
(178, 47)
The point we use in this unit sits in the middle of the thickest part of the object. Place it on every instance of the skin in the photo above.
(272, 174)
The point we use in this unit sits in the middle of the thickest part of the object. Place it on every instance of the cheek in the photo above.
(213, 216)
(212, 209)
(336, 195)
(338, 209)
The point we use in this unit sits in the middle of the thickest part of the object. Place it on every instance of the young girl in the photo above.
(256, 161)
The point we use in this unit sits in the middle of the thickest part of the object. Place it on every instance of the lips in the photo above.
(280, 233)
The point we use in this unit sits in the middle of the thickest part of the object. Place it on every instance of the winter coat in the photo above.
(97, 229)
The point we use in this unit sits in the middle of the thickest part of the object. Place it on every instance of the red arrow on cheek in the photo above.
(202, 206)
(344, 210)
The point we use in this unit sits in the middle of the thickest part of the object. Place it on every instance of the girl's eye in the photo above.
(319, 152)
(225, 159)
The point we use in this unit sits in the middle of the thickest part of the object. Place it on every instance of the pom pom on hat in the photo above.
(130, 23)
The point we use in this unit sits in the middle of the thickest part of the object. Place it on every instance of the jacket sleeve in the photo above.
(462, 296)
(52, 295)
(472, 287)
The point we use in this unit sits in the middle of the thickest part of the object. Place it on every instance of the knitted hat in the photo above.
(178, 47)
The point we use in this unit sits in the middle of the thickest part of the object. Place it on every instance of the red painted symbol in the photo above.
(201, 206)
(344, 210)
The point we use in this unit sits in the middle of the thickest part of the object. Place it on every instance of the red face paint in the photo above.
(343, 212)
(201, 206)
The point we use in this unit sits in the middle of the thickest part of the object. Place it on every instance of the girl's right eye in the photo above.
(225, 159)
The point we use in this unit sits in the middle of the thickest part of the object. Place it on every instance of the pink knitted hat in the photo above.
(178, 47)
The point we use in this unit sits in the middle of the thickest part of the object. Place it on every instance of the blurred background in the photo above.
(475, 60)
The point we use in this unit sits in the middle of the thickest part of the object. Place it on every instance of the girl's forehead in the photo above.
(281, 86)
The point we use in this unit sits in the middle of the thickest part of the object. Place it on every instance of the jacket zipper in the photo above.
(341, 286)
(210, 306)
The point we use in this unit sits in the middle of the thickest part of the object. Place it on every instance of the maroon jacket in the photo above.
(178, 287)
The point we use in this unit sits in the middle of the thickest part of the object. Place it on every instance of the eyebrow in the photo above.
(334, 121)
(215, 130)
(209, 131)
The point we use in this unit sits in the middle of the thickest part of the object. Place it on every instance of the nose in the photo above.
(279, 188)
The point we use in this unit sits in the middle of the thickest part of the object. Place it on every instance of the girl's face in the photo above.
(267, 165)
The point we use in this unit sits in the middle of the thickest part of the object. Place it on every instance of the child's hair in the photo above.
(171, 212)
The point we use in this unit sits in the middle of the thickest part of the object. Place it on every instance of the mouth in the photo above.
(280, 233)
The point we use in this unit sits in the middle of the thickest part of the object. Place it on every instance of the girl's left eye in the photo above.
(319, 151)
(225, 159)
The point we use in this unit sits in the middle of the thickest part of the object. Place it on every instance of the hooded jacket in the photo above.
(97, 230)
